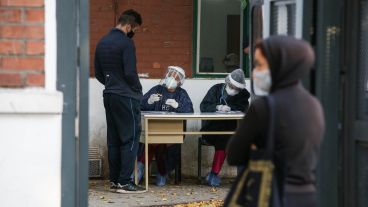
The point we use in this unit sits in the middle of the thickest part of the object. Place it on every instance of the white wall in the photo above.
(30, 147)
(196, 88)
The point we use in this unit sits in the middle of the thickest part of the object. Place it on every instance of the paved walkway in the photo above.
(187, 192)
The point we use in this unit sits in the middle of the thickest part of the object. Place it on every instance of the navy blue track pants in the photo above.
(123, 119)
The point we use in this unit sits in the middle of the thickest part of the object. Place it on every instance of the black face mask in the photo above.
(130, 34)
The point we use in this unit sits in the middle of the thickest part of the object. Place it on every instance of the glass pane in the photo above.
(363, 63)
(219, 44)
(283, 18)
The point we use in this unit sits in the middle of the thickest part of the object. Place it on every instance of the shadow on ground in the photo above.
(188, 193)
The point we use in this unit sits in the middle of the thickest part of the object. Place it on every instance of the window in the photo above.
(219, 32)
(284, 17)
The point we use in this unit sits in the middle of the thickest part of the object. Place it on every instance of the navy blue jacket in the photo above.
(180, 96)
(115, 65)
(217, 96)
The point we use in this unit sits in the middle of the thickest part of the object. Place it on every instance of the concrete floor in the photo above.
(187, 192)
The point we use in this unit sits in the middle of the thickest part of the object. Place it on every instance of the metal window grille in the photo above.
(283, 18)
(94, 162)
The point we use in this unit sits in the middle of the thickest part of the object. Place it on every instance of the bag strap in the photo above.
(281, 170)
(271, 124)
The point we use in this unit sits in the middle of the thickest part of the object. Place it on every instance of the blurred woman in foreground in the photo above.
(280, 64)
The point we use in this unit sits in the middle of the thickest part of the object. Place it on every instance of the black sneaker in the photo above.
(129, 188)
(113, 187)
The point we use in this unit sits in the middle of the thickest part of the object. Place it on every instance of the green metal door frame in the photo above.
(72, 79)
(328, 81)
(348, 193)
(67, 83)
(83, 103)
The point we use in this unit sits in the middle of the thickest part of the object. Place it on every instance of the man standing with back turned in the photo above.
(115, 67)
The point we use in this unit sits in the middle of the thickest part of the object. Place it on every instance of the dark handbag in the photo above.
(257, 185)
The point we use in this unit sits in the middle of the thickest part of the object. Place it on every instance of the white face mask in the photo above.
(262, 82)
(230, 91)
(170, 83)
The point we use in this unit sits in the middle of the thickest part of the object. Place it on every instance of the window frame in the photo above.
(244, 59)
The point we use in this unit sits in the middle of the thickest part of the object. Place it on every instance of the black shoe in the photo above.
(129, 188)
(113, 187)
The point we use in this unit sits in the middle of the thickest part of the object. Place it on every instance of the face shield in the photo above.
(174, 77)
(235, 82)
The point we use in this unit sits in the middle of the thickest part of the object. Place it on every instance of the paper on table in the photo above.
(156, 112)
(228, 112)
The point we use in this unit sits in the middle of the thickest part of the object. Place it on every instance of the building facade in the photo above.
(47, 82)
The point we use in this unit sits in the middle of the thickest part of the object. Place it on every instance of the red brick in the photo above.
(162, 51)
(181, 51)
(34, 3)
(35, 15)
(144, 65)
(35, 80)
(143, 51)
(154, 57)
(11, 47)
(10, 80)
(22, 63)
(182, 37)
(10, 15)
(35, 48)
(164, 38)
(22, 32)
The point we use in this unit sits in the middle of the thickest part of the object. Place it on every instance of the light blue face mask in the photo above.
(262, 82)
(170, 83)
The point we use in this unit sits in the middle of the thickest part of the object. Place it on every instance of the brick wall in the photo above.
(102, 19)
(165, 37)
(21, 43)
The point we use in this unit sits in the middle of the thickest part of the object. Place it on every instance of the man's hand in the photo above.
(223, 108)
(153, 98)
(172, 102)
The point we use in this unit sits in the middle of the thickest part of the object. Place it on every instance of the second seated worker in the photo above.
(167, 96)
(223, 98)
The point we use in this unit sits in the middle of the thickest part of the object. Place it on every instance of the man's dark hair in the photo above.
(130, 17)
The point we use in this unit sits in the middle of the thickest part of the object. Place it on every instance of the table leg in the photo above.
(178, 169)
(146, 151)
